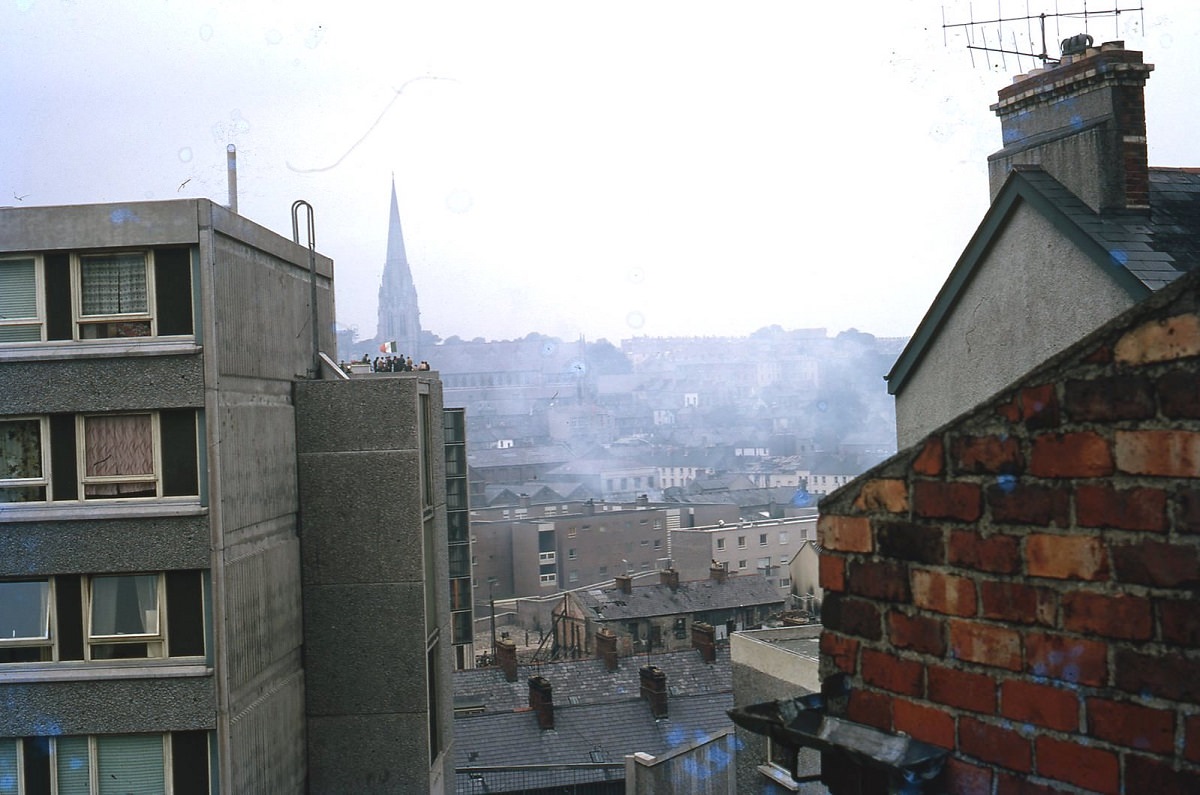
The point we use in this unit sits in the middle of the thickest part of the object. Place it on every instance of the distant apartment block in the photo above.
(760, 547)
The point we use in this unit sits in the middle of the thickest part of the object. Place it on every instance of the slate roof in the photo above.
(697, 596)
(608, 721)
(1142, 251)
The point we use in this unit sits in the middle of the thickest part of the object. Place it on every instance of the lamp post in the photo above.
(492, 602)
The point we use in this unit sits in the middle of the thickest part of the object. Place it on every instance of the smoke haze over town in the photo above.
(605, 171)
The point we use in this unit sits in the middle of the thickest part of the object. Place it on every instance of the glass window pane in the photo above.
(20, 449)
(20, 333)
(125, 605)
(119, 446)
(25, 610)
(130, 764)
(72, 765)
(113, 284)
(9, 784)
(18, 289)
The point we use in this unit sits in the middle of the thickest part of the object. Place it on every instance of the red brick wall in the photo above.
(1021, 587)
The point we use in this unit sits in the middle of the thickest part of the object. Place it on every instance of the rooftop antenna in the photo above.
(992, 32)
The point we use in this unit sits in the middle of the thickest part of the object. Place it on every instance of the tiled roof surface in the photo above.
(1156, 248)
(609, 721)
(698, 596)
(587, 682)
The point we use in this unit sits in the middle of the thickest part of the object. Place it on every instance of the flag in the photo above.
(388, 347)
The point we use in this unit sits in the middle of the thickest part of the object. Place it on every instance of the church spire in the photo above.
(399, 316)
(395, 247)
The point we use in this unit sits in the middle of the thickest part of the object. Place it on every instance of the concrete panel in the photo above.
(262, 300)
(104, 706)
(271, 728)
(361, 517)
(371, 754)
(257, 459)
(110, 384)
(375, 413)
(264, 622)
(98, 546)
(100, 225)
(365, 648)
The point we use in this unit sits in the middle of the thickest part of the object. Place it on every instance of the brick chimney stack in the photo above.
(669, 578)
(717, 572)
(624, 583)
(541, 700)
(1084, 122)
(506, 656)
(704, 640)
(654, 689)
(606, 648)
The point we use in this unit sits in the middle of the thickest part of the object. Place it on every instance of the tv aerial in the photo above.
(1019, 36)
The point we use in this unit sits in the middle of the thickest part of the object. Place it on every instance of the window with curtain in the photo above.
(130, 764)
(20, 319)
(124, 620)
(114, 296)
(105, 764)
(119, 456)
(22, 476)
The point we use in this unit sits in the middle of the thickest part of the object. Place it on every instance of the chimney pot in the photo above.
(669, 578)
(717, 572)
(624, 583)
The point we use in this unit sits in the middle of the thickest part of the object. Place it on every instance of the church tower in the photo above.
(399, 317)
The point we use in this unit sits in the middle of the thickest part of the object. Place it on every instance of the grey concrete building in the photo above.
(198, 593)
(768, 665)
(1080, 228)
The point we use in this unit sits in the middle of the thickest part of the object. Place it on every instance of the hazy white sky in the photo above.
(607, 169)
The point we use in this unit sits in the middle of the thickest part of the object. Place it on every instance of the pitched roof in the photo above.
(697, 596)
(599, 715)
(1141, 251)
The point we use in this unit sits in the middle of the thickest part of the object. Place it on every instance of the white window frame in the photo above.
(93, 749)
(86, 480)
(547, 579)
(39, 318)
(720, 545)
(33, 642)
(741, 542)
(156, 642)
(43, 480)
(547, 557)
(79, 320)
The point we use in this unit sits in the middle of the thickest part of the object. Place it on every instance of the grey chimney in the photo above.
(1082, 121)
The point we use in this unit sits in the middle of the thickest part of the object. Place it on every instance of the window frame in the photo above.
(39, 287)
(156, 642)
(81, 449)
(79, 320)
(48, 644)
(44, 481)
(91, 749)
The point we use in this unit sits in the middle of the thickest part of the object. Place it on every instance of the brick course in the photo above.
(1020, 587)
